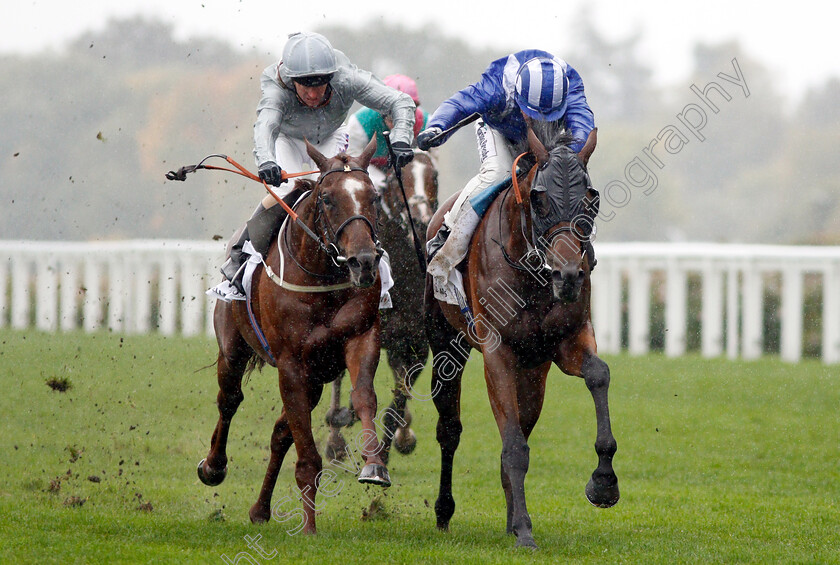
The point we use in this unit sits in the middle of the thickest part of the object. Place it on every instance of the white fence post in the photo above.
(69, 284)
(168, 293)
(753, 332)
(140, 275)
(639, 306)
(676, 305)
(791, 347)
(606, 307)
(831, 314)
(4, 288)
(117, 292)
(712, 311)
(93, 306)
(733, 329)
(21, 294)
(211, 277)
(46, 293)
(192, 295)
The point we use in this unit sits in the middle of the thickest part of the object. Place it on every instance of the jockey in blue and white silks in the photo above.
(530, 87)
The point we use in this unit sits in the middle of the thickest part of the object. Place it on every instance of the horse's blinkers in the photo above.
(562, 192)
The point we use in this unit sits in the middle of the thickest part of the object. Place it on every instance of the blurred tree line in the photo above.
(89, 132)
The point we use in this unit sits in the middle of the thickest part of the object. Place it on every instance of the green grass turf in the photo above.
(718, 462)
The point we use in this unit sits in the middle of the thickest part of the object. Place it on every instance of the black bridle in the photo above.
(328, 242)
(535, 258)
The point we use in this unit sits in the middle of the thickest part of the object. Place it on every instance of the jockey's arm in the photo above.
(579, 117)
(269, 116)
(372, 92)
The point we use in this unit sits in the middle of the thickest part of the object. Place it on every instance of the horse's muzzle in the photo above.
(364, 267)
(567, 282)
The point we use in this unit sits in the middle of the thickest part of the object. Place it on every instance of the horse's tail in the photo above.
(255, 362)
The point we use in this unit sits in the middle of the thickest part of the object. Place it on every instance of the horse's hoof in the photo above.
(336, 449)
(340, 418)
(208, 476)
(526, 541)
(602, 496)
(259, 514)
(373, 474)
(405, 440)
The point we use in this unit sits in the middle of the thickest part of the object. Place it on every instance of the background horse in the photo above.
(312, 335)
(529, 312)
(403, 338)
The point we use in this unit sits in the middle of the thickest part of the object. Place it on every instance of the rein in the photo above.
(533, 255)
(330, 248)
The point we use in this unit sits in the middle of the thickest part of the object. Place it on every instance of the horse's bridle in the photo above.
(329, 242)
(535, 255)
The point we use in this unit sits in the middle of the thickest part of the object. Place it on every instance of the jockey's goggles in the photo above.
(313, 81)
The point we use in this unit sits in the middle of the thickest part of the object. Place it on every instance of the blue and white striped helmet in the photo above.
(541, 89)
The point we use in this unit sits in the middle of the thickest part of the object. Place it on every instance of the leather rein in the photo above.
(533, 255)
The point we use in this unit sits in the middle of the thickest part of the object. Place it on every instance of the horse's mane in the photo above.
(552, 134)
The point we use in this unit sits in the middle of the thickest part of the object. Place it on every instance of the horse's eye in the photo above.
(328, 202)
(538, 203)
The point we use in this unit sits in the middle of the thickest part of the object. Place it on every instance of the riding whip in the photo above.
(418, 248)
(468, 120)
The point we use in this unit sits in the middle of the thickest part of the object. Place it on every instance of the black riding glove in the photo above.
(403, 153)
(271, 173)
(425, 141)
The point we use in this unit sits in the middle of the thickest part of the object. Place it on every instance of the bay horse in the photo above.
(526, 279)
(403, 338)
(318, 318)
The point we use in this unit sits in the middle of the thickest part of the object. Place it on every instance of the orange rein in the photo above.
(516, 192)
(248, 174)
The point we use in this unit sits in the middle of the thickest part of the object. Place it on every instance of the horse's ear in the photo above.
(367, 154)
(315, 155)
(537, 148)
(588, 147)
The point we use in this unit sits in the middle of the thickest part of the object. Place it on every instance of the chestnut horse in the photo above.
(403, 338)
(528, 288)
(319, 317)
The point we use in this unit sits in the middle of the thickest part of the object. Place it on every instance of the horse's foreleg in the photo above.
(362, 356)
(337, 417)
(530, 397)
(397, 420)
(449, 357)
(500, 372)
(578, 357)
(281, 441)
(446, 387)
(299, 398)
(602, 488)
(233, 356)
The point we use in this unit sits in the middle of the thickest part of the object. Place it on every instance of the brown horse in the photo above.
(403, 338)
(318, 318)
(528, 287)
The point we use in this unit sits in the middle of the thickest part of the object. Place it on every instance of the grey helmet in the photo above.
(308, 54)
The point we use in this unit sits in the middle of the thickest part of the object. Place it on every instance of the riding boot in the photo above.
(451, 254)
(260, 230)
(434, 244)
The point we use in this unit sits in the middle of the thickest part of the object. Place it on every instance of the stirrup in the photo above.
(233, 272)
(434, 244)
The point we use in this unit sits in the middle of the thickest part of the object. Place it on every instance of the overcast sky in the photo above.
(796, 40)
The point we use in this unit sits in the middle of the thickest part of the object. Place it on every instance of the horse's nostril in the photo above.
(354, 263)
